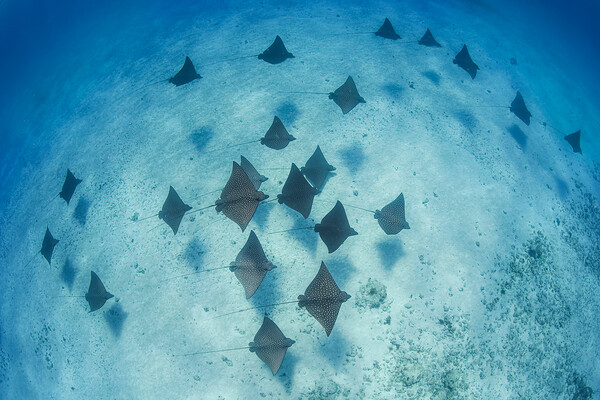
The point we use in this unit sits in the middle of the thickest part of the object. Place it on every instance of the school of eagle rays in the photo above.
(241, 196)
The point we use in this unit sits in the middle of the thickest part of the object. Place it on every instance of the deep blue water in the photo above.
(35, 36)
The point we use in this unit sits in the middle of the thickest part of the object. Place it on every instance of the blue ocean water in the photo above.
(491, 293)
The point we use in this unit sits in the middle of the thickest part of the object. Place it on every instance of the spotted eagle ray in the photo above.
(276, 138)
(173, 210)
(463, 59)
(317, 168)
(391, 217)
(96, 295)
(322, 299)
(387, 31)
(239, 198)
(519, 108)
(276, 53)
(297, 193)
(69, 186)
(269, 344)
(428, 40)
(250, 266)
(186, 74)
(48, 244)
(574, 140)
(333, 230)
(346, 96)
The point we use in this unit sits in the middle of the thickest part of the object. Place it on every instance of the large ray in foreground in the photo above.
(277, 137)
(346, 96)
(270, 344)
(519, 108)
(297, 193)
(276, 53)
(317, 168)
(69, 186)
(173, 210)
(323, 299)
(334, 228)
(186, 74)
(239, 198)
(463, 59)
(391, 217)
(251, 265)
(96, 295)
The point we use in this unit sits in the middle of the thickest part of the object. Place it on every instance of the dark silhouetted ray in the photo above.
(334, 228)
(519, 108)
(463, 60)
(428, 40)
(574, 140)
(270, 344)
(277, 137)
(97, 294)
(252, 173)
(186, 74)
(323, 299)
(275, 53)
(317, 168)
(297, 193)
(387, 31)
(251, 265)
(69, 186)
(346, 96)
(239, 198)
(173, 210)
(48, 246)
(391, 217)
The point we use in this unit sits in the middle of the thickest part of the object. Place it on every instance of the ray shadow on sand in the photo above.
(81, 211)
(519, 136)
(394, 90)
(68, 273)
(201, 136)
(389, 251)
(261, 215)
(194, 254)
(307, 238)
(288, 112)
(115, 318)
(353, 157)
(467, 119)
(433, 76)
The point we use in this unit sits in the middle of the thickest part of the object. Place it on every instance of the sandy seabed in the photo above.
(492, 293)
